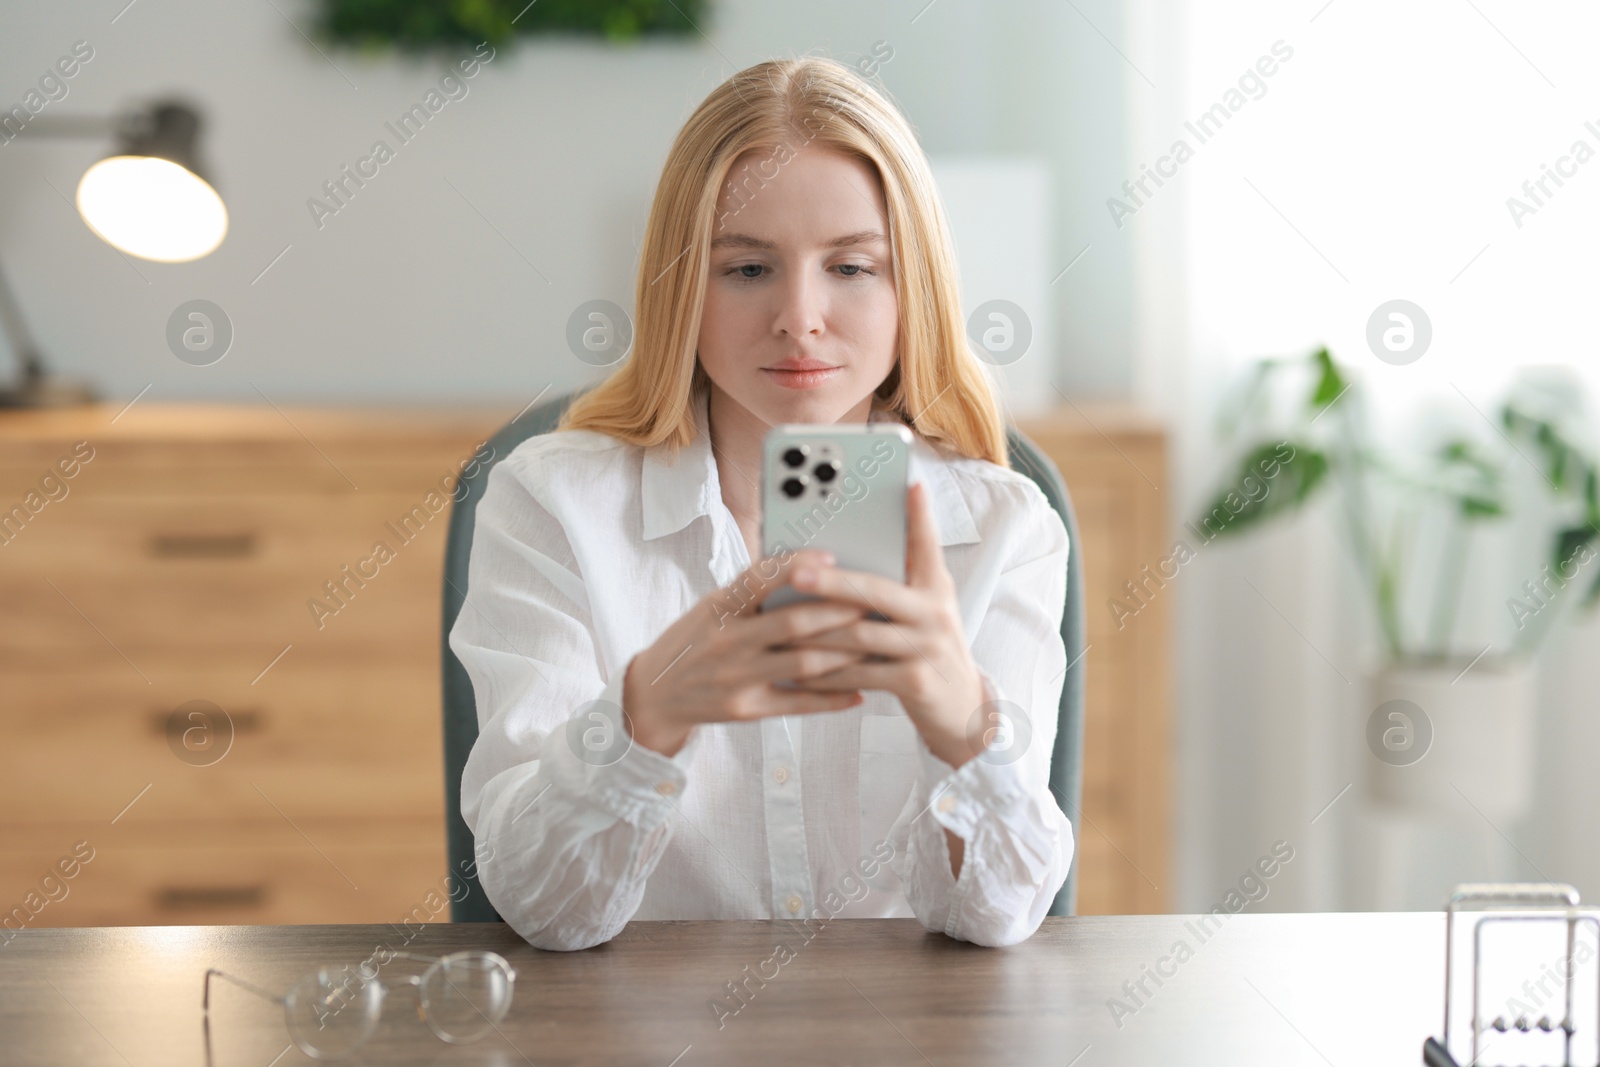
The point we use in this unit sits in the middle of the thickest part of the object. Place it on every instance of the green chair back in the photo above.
(461, 713)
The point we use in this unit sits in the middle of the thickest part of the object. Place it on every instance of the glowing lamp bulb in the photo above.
(152, 208)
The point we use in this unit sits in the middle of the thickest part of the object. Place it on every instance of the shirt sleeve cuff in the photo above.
(989, 783)
(962, 797)
(594, 756)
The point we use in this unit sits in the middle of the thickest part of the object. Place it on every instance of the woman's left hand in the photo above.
(925, 660)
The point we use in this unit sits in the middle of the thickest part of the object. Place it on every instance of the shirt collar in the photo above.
(678, 487)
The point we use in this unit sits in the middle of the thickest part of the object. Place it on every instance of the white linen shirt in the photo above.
(585, 549)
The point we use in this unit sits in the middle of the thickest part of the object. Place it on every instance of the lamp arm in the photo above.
(77, 126)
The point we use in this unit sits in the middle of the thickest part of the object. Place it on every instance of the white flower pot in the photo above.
(1456, 744)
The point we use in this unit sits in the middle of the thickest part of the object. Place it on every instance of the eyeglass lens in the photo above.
(331, 1013)
(465, 994)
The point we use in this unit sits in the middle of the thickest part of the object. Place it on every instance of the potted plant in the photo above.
(1450, 727)
(420, 25)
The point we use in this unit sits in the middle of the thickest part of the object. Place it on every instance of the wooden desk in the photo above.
(1345, 990)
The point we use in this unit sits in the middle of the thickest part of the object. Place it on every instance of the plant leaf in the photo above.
(1473, 507)
(1569, 543)
(1271, 479)
(1330, 383)
(1471, 479)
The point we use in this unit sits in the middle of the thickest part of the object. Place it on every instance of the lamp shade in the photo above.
(149, 198)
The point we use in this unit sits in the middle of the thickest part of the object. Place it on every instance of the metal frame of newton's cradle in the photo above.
(1511, 902)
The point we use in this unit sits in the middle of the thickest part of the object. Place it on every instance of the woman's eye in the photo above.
(749, 272)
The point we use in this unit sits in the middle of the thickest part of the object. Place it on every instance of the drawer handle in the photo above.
(245, 720)
(202, 545)
(189, 897)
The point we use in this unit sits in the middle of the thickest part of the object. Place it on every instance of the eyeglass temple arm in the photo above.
(205, 999)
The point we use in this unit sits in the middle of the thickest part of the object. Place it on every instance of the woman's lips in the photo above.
(801, 379)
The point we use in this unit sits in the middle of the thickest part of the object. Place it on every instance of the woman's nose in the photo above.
(801, 311)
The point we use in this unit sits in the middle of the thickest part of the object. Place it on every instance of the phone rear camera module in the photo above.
(795, 456)
(826, 472)
(793, 487)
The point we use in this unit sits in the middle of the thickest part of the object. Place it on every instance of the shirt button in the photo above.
(666, 789)
(780, 775)
(947, 804)
(794, 903)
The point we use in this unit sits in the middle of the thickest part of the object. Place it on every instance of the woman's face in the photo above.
(800, 320)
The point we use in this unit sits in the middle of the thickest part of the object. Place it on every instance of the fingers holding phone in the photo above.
(918, 652)
(721, 661)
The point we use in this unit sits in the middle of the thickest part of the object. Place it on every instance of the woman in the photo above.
(652, 745)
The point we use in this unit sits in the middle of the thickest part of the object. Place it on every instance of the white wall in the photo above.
(409, 294)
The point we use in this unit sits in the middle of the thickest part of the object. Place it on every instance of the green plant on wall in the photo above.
(416, 25)
(1386, 496)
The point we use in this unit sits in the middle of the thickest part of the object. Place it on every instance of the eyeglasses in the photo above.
(331, 1013)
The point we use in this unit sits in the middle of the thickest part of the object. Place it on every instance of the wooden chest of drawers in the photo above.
(178, 565)
(1114, 462)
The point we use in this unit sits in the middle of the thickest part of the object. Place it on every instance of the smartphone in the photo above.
(840, 488)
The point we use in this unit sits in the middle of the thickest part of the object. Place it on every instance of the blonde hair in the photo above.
(937, 387)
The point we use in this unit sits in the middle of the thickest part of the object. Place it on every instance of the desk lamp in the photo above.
(148, 198)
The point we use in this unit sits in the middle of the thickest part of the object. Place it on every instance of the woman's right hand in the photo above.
(720, 660)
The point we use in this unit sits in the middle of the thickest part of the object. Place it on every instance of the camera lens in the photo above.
(795, 455)
(826, 472)
(793, 487)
